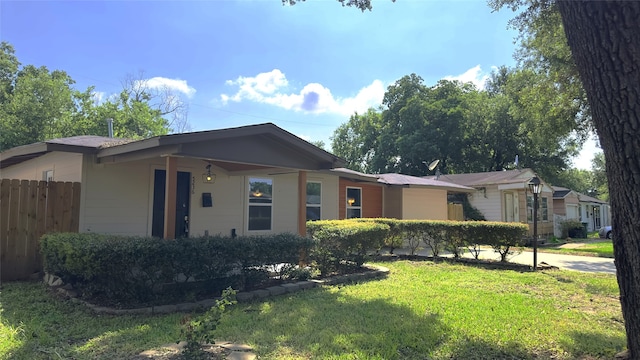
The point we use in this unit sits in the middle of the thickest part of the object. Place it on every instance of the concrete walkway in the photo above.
(565, 262)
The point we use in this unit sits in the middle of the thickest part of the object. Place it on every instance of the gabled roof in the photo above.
(590, 199)
(400, 180)
(78, 144)
(408, 180)
(355, 175)
(488, 178)
(560, 192)
(239, 148)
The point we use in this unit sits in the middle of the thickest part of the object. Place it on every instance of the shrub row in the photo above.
(453, 236)
(340, 243)
(137, 269)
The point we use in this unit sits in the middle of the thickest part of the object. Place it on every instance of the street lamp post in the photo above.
(536, 188)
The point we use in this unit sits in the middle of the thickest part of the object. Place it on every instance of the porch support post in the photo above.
(170, 198)
(302, 203)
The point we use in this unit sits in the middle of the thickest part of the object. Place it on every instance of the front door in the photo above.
(510, 207)
(183, 191)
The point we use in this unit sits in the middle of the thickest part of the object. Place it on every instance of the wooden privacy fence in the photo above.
(28, 210)
(455, 212)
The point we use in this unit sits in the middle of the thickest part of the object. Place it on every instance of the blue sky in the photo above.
(305, 68)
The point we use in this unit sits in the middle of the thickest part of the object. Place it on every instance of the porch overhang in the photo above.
(247, 148)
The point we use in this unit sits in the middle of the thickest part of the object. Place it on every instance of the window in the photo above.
(543, 209)
(260, 203)
(354, 202)
(47, 175)
(314, 200)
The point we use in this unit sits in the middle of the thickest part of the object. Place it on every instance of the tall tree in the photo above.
(604, 37)
(356, 140)
(37, 104)
(599, 185)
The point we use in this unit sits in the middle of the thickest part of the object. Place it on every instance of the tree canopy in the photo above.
(467, 129)
(37, 104)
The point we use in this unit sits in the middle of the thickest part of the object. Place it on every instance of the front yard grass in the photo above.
(423, 310)
(603, 248)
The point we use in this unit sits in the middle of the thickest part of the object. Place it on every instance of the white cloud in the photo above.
(473, 75)
(171, 84)
(273, 88)
(98, 96)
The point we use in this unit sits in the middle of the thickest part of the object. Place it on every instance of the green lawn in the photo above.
(421, 311)
(602, 248)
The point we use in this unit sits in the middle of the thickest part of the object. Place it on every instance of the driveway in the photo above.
(568, 262)
(565, 262)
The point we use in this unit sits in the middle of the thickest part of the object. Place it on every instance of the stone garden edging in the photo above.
(68, 291)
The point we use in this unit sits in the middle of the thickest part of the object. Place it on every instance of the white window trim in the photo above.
(315, 205)
(46, 176)
(347, 199)
(250, 204)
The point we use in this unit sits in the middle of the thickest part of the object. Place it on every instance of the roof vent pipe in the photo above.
(110, 124)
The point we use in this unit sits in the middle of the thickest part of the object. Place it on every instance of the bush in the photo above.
(339, 243)
(503, 237)
(130, 270)
(572, 228)
(436, 235)
(395, 236)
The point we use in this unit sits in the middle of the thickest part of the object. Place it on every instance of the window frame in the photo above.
(543, 207)
(313, 205)
(353, 207)
(47, 175)
(251, 204)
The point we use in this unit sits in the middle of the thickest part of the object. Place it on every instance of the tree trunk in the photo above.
(604, 37)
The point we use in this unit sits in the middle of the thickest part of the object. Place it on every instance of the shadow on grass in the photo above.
(593, 343)
(329, 323)
(476, 349)
(478, 263)
(52, 328)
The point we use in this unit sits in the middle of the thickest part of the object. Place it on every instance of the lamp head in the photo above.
(535, 185)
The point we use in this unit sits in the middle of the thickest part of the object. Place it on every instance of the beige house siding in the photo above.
(115, 198)
(392, 202)
(65, 166)
(489, 201)
(545, 227)
(329, 191)
(424, 204)
(559, 208)
(118, 198)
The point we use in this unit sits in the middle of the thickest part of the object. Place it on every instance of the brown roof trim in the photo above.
(296, 143)
(22, 153)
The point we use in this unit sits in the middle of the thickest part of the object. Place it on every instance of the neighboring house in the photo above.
(245, 180)
(594, 212)
(505, 196)
(571, 205)
(394, 196)
(566, 206)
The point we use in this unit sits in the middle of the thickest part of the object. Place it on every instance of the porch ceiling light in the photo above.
(208, 177)
(535, 185)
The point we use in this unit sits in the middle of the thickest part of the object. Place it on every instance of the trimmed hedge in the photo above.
(340, 243)
(437, 235)
(123, 269)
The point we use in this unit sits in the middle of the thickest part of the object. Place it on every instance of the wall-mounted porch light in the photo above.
(208, 177)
